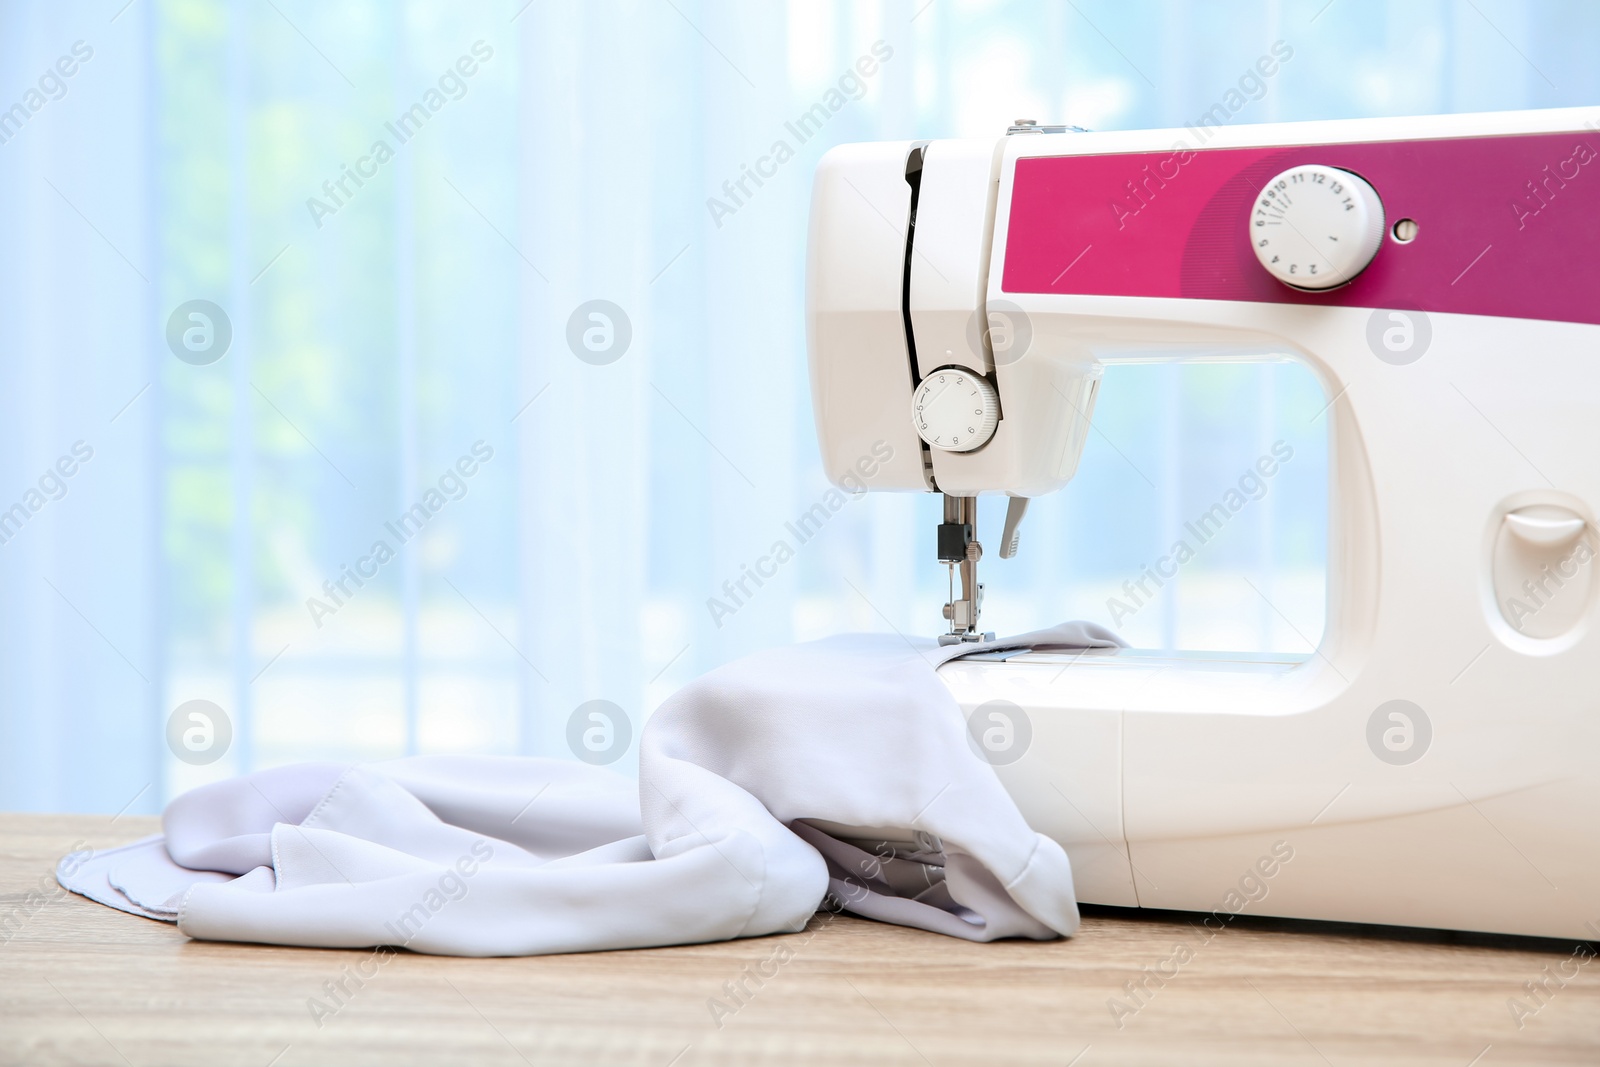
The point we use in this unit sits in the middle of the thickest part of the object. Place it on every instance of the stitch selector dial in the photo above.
(955, 410)
(1316, 227)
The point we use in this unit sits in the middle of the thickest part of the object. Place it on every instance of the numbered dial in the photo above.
(1315, 227)
(955, 410)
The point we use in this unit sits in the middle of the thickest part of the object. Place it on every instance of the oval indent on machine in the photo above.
(1541, 572)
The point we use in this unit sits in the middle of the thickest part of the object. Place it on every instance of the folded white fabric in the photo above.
(840, 766)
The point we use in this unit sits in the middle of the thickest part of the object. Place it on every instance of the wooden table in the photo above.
(82, 983)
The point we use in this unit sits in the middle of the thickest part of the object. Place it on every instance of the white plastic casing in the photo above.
(1171, 780)
(861, 379)
(1032, 451)
(860, 365)
(950, 262)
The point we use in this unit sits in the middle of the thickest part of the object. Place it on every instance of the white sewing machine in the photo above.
(1441, 277)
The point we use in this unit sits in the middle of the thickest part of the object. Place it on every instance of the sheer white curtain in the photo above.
(80, 597)
(402, 317)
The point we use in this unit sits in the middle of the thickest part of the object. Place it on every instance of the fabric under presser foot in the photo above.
(721, 836)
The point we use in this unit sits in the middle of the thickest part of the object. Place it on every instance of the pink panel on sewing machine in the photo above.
(1509, 226)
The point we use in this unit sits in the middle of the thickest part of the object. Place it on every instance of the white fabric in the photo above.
(722, 836)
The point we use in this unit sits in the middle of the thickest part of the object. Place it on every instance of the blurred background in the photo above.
(273, 338)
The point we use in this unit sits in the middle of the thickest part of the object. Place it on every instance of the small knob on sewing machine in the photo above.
(955, 410)
(1316, 227)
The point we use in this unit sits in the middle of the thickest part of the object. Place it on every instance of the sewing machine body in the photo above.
(1459, 473)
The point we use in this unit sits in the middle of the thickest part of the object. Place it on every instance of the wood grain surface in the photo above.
(83, 983)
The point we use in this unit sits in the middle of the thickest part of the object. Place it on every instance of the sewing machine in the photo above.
(1434, 761)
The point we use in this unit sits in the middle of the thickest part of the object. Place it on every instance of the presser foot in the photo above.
(966, 638)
